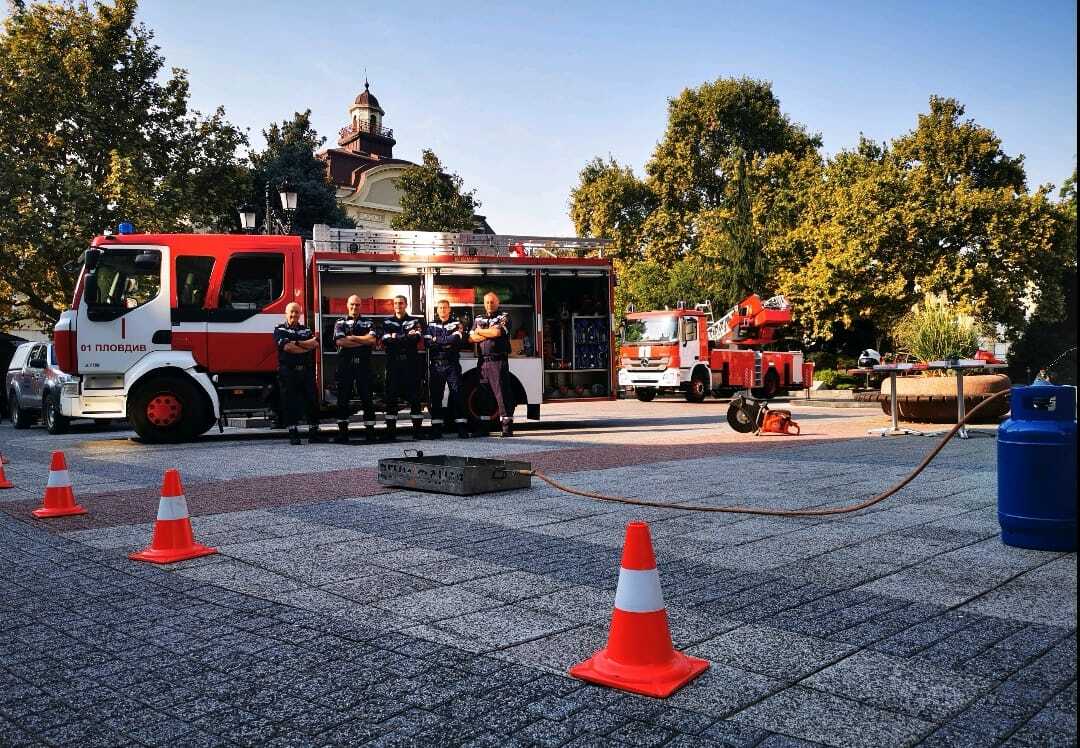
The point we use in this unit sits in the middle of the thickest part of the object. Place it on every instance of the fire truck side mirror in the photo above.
(91, 257)
(147, 261)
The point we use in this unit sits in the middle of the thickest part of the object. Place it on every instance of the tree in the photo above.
(94, 133)
(727, 180)
(432, 200)
(611, 203)
(718, 135)
(940, 210)
(1049, 335)
(290, 155)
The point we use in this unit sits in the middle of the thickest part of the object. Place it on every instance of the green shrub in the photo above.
(834, 380)
(822, 360)
(935, 332)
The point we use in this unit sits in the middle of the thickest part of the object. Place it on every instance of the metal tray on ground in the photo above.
(461, 476)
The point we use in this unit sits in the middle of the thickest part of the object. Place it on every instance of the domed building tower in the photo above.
(363, 167)
(367, 133)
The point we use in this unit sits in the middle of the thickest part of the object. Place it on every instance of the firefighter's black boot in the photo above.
(342, 436)
(369, 434)
(436, 431)
(294, 436)
(418, 429)
(507, 428)
(391, 431)
(463, 431)
(314, 436)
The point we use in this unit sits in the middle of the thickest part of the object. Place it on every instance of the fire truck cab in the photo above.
(173, 331)
(688, 350)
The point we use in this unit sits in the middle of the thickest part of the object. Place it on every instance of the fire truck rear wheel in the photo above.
(770, 386)
(166, 409)
(645, 394)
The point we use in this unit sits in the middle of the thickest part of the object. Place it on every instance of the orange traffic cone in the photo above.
(639, 656)
(4, 482)
(59, 498)
(173, 538)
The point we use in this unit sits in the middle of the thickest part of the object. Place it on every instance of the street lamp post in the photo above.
(272, 224)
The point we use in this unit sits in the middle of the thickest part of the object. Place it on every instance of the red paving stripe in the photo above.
(139, 505)
(136, 506)
(606, 456)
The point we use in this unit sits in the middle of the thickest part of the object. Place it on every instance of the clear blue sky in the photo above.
(517, 97)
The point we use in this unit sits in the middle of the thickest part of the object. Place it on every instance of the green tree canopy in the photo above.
(611, 203)
(290, 155)
(727, 180)
(1050, 335)
(432, 199)
(93, 133)
(940, 210)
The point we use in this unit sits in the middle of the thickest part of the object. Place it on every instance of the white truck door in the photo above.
(124, 314)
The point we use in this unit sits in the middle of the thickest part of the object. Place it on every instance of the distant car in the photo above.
(33, 384)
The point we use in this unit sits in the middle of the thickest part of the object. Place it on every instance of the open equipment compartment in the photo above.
(578, 346)
(376, 285)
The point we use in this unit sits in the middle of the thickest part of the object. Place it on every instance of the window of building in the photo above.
(252, 282)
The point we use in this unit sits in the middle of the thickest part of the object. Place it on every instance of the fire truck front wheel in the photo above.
(167, 409)
(645, 394)
(697, 389)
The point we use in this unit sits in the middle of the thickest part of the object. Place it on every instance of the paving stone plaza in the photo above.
(342, 612)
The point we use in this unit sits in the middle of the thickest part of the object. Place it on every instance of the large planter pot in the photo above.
(933, 399)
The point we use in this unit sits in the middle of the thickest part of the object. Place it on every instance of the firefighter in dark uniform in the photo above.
(354, 338)
(401, 335)
(492, 331)
(296, 344)
(443, 337)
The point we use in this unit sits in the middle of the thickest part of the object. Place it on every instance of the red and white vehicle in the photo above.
(174, 331)
(688, 350)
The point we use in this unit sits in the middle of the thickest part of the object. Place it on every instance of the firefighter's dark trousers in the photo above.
(443, 374)
(297, 387)
(495, 375)
(353, 378)
(402, 384)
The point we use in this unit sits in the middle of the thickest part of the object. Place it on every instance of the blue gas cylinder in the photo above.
(1037, 469)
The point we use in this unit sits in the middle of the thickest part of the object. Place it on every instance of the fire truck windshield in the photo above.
(121, 280)
(650, 330)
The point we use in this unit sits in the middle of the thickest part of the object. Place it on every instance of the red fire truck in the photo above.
(173, 331)
(689, 350)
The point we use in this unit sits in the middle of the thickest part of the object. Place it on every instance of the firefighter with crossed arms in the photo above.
(354, 338)
(401, 335)
(296, 344)
(492, 331)
(442, 338)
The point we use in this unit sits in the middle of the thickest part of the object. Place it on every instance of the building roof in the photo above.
(367, 99)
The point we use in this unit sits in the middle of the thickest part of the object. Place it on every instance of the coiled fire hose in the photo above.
(778, 512)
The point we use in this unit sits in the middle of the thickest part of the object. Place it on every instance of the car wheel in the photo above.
(645, 394)
(20, 417)
(55, 421)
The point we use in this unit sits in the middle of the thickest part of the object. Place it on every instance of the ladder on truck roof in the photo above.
(373, 241)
